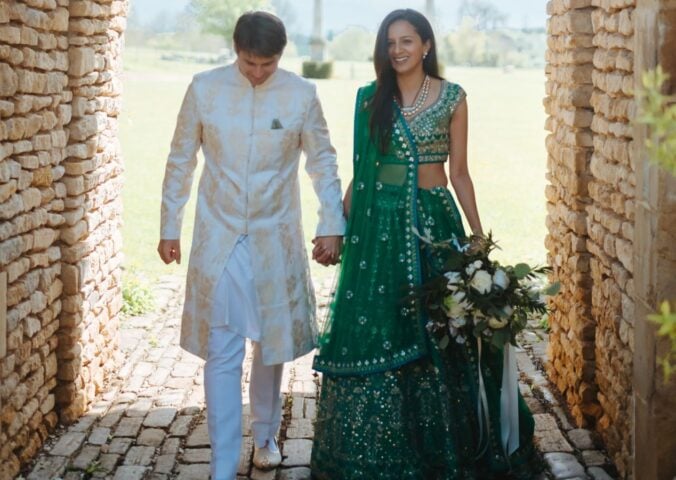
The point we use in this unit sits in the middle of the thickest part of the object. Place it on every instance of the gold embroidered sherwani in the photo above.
(252, 140)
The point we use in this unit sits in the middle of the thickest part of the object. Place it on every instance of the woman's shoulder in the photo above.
(452, 88)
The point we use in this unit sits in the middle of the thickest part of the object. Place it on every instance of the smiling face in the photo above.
(256, 69)
(405, 47)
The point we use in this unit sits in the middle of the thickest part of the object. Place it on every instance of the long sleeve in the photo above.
(180, 167)
(323, 170)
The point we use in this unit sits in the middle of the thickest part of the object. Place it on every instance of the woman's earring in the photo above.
(424, 55)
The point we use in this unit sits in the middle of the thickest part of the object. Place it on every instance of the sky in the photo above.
(340, 14)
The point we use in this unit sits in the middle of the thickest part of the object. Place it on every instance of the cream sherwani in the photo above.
(252, 139)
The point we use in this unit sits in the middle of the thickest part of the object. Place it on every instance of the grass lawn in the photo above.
(507, 153)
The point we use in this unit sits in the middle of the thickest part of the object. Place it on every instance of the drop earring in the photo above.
(424, 55)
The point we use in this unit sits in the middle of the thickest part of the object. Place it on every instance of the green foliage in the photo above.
(666, 319)
(219, 16)
(353, 43)
(659, 114)
(136, 295)
(317, 69)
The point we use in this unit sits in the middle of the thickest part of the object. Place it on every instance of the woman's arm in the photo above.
(458, 170)
(347, 200)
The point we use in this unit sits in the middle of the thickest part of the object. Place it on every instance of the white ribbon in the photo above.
(509, 402)
(509, 406)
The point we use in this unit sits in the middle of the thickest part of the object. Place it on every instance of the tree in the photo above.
(486, 16)
(219, 16)
(354, 43)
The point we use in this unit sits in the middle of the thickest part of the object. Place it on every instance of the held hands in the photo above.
(327, 250)
(169, 251)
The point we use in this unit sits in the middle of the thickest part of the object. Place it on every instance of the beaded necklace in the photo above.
(420, 98)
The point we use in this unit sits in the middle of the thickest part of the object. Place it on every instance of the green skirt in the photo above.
(412, 415)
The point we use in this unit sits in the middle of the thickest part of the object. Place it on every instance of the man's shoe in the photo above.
(267, 457)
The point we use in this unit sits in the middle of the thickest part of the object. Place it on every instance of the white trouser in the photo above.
(223, 370)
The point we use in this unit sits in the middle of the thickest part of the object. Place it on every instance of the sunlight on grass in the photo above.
(507, 153)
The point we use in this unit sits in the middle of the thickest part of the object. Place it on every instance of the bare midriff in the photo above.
(432, 175)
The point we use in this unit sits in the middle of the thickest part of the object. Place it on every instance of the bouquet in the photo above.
(475, 296)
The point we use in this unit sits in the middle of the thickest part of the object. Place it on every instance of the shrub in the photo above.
(317, 69)
(136, 295)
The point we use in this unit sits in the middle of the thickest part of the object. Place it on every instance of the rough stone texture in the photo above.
(59, 227)
(591, 200)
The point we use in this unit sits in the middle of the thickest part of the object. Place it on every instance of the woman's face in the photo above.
(405, 47)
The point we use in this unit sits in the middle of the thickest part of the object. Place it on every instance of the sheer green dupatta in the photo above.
(371, 285)
(364, 160)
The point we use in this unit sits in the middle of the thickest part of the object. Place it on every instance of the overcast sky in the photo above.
(339, 14)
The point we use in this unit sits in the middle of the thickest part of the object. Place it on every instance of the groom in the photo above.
(248, 269)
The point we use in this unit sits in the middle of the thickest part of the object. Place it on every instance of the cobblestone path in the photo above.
(151, 423)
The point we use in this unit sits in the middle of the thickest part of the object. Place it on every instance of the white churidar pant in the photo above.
(235, 320)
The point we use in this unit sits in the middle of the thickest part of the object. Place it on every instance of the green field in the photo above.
(506, 151)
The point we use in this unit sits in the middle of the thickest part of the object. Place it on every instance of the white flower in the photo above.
(454, 279)
(507, 311)
(482, 281)
(455, 305)
(458, 322)
(497, 323)
(473, 267)
(501, 279)
(460, 339)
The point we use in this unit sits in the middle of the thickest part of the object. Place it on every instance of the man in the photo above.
(248, 270)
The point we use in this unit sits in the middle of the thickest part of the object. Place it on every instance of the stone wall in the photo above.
(569, 91)
(59, 214)
(611, 222)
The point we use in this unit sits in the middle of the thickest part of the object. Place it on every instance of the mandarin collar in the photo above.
(242, 80)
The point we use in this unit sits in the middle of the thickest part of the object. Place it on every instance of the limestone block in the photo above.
(72, 235)
(10, 34)
(82, 61)
(47, 41)
(83, 128)
(88, 26)
(9, 80)
(4, 13)
(29, 36)
(59, 20)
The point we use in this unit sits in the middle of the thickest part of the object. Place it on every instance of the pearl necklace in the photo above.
(420, 98)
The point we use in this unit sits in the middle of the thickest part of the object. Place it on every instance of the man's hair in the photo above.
(259, 33)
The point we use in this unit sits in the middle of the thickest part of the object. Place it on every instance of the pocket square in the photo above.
(276, 124)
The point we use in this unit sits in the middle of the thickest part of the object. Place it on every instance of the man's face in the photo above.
(256, 69)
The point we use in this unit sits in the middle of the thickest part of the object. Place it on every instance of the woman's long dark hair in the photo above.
(386, 78)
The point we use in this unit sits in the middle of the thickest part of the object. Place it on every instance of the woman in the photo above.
(393, 405)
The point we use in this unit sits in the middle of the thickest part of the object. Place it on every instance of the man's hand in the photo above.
(327, 250)
(169, 250)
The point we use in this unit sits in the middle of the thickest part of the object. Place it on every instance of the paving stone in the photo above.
(184, 369)
(99, 436)
(534, 405)
(157, 476)
(551, 441)
(597, 473)
(299, 473)
(564, 466)
(190, 410)
(545, 421)
(128, 427)
(84, 423)
(173, 398)
(171, 445)
(140, 408)
(199, 437)
(181, 426)
(263, 475)
(73, 475)
(151, 436)
(48, 467)
(160, 417)
(563, 418)
(300, 428)
(310, 408)
(165, 463)
(297, 406)
(196, 471)
(118, 445)
(296, 452)
(159, 376)
(196, 455)
(127, 472)
(581, 438)
(68, 444)
(594, 458)
(107, 463)
(139, 456)
(87, 456)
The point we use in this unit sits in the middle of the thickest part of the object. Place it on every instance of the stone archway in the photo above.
(610, 222)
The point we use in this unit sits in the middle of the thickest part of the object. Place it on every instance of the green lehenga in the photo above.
(392, 405)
